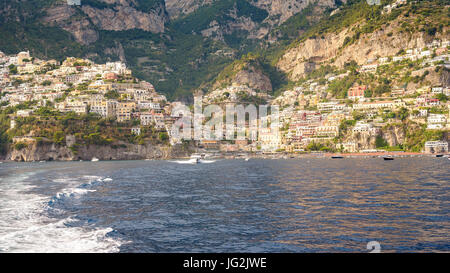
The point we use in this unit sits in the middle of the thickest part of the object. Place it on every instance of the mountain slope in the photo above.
(177, 45)
(360, 33)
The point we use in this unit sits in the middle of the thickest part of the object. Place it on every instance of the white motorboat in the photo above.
(195, 158)
(94, 159)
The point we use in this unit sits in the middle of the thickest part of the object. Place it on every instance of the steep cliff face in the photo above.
(176, 8)
(50, 152)
(331, 48)
(82, 29)
(118, 15)
(253, 78)
(237, 19)
(124, 17)
(363, 140)
(281, 10)
(248, 72)
(394, 135)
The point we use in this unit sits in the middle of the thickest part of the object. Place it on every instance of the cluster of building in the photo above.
(308, 112)
(313, 115)
(80, 86)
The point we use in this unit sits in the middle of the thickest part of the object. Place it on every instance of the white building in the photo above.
(436, 147)
(436, 119)
(136, 130)
(362, 127)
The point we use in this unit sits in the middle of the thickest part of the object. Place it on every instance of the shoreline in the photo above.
(262, 156)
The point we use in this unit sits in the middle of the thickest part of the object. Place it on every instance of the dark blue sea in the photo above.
(296, 205)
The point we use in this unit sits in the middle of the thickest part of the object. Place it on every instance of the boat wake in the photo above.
(193, 161)
(25, 224)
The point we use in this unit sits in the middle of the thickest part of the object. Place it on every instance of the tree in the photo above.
(441, 97)
(58, 137)
(113, 94)
(381, 89)
(402, 114)
(12, 69)
(381, 142)
(163, 136)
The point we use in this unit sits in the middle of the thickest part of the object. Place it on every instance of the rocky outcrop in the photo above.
(253, 78)
(329, 48)
(247, 73)
(217, 31)
(124, 17)
(53, 152)
(363, 140)
(85, 21)
(175, 8)
(394, 134)
(281, 10)
(63, 16)
(278, 11)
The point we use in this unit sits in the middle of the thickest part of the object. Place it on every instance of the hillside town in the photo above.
(312, 117)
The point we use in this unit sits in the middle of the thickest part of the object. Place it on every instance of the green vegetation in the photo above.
(313, 146)
(381, 142)
(12, 69)
(113, 94)
(4, 138)
(97, 4)
(20, 145)
(415, 139)
(339, 87)
(218, 11)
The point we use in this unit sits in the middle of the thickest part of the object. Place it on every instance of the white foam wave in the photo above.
(207, 161)
(72, 193)
(25, 227)
(183, 162)
(193, 161)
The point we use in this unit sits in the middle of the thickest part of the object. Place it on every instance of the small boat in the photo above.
(337, 157)
(388, 158)
(94, 159)
(439, 155)
(247, 159)
(195, 158)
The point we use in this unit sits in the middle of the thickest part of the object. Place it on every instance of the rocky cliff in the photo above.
(176, 8)
(83, 22)
(124, 17)
(51, 151)
(333, 48)
(281, 10)
(248, 72)
(393, 134)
